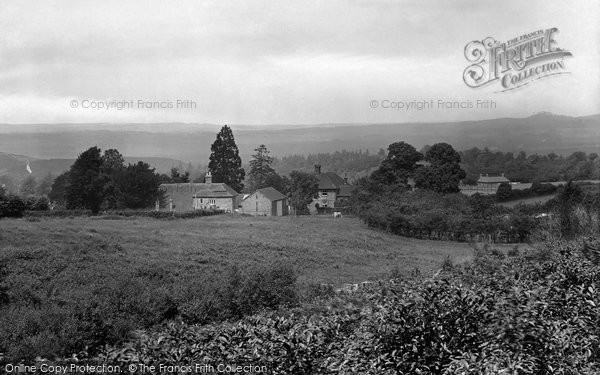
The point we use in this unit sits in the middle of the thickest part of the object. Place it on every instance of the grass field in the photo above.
(321, 249)
(71, 283)
(531, 200)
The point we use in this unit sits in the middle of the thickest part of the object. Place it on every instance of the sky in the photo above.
(279, 62)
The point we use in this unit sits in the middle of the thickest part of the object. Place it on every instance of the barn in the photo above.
(200, 196)
(265, 202)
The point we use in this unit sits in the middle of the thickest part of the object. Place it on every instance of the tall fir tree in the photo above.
(261, 171)
(225, 162)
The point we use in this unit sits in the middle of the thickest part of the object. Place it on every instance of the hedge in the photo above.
(125, 213)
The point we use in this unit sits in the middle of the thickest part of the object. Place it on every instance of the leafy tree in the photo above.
(28, 187)
(260, 168)
(136, 186)
(58, 191)
(177, 177)
(45, 185)
(504, 192)
(399, 164)
(442, 153)
(444, 174)
(279, 183)
(303, 189)
(86, 181)
(112, 163)
(225, 162)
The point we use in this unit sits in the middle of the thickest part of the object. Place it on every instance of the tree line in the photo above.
(529, 168)
(417, 195)
(338, 161)
(101, 181)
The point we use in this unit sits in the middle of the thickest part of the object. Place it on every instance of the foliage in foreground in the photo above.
(523, 314)
(82, 297)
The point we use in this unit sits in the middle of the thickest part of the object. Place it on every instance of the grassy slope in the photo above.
(320, 249)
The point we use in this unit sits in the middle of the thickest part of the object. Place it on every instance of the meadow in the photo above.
(83, 282)
(320, 249)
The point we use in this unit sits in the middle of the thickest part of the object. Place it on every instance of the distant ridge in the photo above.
(539, 133)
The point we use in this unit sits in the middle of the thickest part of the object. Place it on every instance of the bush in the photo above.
(525, 315)
(11, 206)
(52, 306)
(241, 293)
(36, 203)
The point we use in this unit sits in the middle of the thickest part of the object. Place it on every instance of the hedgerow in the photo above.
(454, 217)
(125, 213)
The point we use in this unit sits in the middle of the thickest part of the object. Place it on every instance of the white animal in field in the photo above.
(337, 215)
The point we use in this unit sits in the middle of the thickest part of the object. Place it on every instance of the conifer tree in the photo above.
(225, 162)
(261, 171)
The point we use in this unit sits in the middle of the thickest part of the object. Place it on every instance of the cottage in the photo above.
(332, 187)
(198, 196)
(265, 202)
(489, 184)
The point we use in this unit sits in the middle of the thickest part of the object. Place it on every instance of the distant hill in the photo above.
(540, 133)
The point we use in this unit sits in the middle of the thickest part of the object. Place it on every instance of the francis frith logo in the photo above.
(514, 63)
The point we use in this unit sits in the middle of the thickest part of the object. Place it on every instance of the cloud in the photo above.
(275, 62)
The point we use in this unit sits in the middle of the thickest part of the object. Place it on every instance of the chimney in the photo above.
(318, 168)
(346, 178)
(208, 178)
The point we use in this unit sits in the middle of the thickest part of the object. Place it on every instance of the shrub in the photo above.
(11, 206)
(37, 203)
(526, 315)
(240, 293)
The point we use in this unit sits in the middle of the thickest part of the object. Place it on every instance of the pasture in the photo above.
(71, 283)
(320, 249)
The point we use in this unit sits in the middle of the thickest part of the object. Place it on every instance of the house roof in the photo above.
(271, 194)
(492, 179)
(201, 190)
(330, 181)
